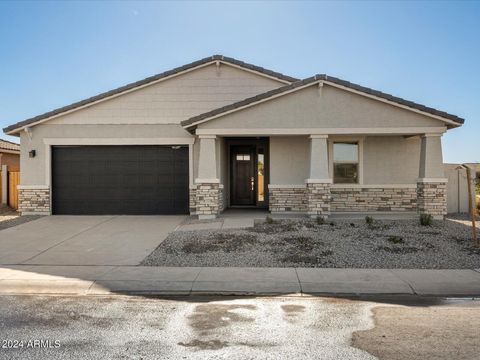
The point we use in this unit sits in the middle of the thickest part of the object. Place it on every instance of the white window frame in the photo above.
(357, 139)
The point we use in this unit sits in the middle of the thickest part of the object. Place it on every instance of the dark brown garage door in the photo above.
(134, 180)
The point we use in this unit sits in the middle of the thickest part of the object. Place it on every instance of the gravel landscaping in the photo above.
(333, 244)
(10, 218)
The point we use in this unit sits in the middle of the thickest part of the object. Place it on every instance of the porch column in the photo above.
(432, 184)
(208, 189)
(319, 181)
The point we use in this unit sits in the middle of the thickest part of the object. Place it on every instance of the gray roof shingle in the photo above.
(149, 80)
(198, 118)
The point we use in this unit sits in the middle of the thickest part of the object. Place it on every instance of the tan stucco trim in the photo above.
(374, 186)
(119, 141)
(318, 181)
(276, 186)
(32, 187)
(207, 181)
(432, 180)
(323, 131)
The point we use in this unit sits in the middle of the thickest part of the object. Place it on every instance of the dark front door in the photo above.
(243, 175)
(134, 180)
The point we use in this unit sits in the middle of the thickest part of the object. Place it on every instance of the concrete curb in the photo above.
(177, 281)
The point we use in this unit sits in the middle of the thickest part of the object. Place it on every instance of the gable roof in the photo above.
(9, 146)
(453, 120)
(211, 59)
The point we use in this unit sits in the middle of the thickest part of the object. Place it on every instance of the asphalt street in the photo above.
(51, 327)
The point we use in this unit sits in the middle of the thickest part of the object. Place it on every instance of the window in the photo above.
(243, 157)
(345, 162)
(261, 176)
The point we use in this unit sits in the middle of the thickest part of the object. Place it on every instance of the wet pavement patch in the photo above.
(208, 317)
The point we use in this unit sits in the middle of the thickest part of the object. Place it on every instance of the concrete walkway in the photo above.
(101, 280)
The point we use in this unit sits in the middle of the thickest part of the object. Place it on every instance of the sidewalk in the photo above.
(103, 280)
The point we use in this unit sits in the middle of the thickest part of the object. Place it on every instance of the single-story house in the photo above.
(10, 155)
(220, 133)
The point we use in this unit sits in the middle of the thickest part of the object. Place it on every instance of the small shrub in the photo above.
(369, 220)
(426, 219)
(332, 223)
(395, 239)
(320, 220)
(352, 224)
(269, 220)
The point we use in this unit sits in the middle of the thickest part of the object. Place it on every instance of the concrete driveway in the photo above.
(85, 240)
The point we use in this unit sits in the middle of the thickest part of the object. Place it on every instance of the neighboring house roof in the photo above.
(211, 59)
(9, 146)
(452, 119)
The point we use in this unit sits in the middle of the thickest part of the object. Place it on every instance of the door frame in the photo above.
(257, 143)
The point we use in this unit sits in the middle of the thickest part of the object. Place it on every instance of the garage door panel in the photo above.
(120, 180)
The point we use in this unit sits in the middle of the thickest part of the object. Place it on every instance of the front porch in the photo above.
(319, 174)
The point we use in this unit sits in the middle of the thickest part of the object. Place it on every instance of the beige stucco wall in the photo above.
(154, 111)
(289, 160)
(176, 99)
(33, 169)
(385, 160)
(391, 160)
(11, 160)
(330, 108)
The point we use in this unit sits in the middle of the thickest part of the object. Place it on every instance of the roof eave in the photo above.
(19, 126)
(452, 121)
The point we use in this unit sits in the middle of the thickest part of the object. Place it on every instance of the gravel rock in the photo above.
(10, 218)
(334, 244)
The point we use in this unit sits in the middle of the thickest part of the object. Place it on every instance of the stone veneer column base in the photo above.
(33, 200)
(432, 198)
(208, 200)
(318, 199)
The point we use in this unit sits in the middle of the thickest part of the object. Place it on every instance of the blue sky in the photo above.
(55, 53)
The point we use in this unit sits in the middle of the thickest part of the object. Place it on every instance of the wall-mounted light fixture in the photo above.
(32, 153)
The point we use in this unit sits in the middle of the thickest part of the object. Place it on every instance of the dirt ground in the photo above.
(420, 333)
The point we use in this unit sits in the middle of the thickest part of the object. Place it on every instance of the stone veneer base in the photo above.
(208, 200)
(364, 199)
(318, 199)
(288, 198)
(432, 198)
(32, 201)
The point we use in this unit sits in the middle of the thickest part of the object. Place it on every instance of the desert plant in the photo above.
(369, 220)
(320, 220)
(394, 239)
(269, 220)
(426, 219)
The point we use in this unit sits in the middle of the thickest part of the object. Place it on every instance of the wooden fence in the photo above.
(13, 181)
(10, 191)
